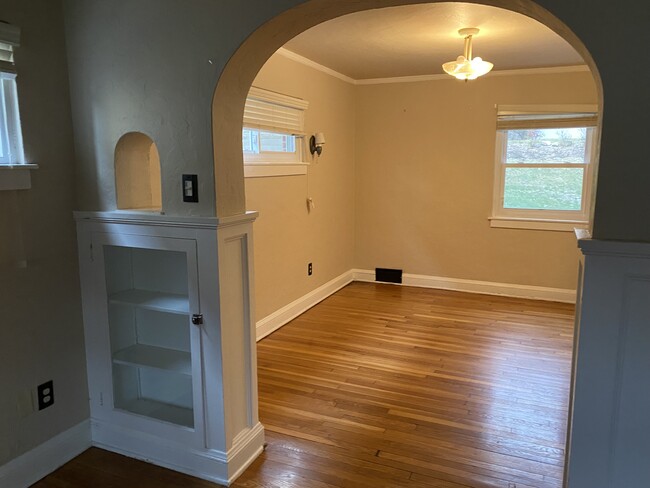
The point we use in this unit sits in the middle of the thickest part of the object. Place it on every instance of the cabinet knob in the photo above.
(197, 319)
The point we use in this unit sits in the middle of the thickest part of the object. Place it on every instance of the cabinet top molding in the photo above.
(599, 247)
(145, 218)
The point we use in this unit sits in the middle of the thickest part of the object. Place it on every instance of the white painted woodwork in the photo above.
(475, 286)
(27, 469)
(161, 388)
(610, 423)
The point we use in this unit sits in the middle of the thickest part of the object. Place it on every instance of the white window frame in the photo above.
(282, 114)
(539, 219)
(14, 171)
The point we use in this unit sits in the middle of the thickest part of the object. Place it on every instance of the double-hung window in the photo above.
(14, 173)
(543, 170)
(273, 134)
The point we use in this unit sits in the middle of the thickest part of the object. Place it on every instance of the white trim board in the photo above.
(473, 286)
(208, 464)
(277, 319)
(414, 78)
(280, 317)
(36, 464)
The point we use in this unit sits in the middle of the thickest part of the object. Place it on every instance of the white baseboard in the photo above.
(208, 464)
(483, 287)
(34, 465)
(277, 319)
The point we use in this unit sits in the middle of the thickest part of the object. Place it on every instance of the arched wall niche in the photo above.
(240, 71)
(137, 173)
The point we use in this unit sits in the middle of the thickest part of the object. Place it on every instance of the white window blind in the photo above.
(274, 112)
(513, 117)
(9, 38)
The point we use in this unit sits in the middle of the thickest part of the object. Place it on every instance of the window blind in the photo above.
(9, 38)
(546, 117)
(274, 112)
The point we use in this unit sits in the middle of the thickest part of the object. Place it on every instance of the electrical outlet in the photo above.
(310, 269)
(45, 394)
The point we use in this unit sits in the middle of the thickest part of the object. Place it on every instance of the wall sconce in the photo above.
(316, 143)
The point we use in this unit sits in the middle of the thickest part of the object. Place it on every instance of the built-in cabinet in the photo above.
(163, 380)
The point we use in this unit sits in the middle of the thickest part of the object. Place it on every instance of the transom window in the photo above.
(543, 168)
(269, 146)
(273, 134)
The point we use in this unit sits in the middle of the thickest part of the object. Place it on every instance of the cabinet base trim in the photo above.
(34, 465)
(208, 464)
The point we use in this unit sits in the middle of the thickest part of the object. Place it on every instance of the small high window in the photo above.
(543, 171)
(273, 134)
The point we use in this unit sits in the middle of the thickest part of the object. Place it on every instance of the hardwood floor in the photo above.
(387, 386)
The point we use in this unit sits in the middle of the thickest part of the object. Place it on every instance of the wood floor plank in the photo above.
(387, 386)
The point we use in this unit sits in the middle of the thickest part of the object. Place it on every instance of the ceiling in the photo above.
(417, 39)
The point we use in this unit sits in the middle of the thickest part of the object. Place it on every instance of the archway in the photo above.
(241, 70)
(239, 73)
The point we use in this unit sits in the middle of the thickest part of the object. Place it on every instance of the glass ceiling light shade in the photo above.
(465, 67)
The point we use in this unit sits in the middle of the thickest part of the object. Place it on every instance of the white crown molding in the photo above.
(415, 78)
(505, 72)
(312, 64)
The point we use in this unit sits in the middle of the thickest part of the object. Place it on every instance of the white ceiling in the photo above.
(417, 39)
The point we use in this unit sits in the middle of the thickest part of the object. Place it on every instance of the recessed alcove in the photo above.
(137, 173)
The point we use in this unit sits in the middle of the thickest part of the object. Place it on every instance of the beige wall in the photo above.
(405, 181)
(287, 236)
(425, 166)
(137, 172)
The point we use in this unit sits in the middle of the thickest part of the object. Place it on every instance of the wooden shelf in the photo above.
(143, 356)
(152, 300)
(161, 411)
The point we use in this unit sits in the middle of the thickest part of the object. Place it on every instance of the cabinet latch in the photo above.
(197, 319)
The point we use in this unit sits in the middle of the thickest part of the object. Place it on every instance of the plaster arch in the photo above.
(240, 71)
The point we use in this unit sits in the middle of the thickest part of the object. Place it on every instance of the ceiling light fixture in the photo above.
(466, 68)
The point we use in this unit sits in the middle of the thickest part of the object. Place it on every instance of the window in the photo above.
(543, 170)
(272, 139)
(11, 140)
(14, 173)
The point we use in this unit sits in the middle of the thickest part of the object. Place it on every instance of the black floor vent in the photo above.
(388, 275)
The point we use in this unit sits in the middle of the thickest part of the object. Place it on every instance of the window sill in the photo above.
(537, 224)
(16, 176)
(264, 170)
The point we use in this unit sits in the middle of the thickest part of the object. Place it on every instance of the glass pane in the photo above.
(250, 141)
(543, 188)
(275, 142)
(544, 146)
(148, 318)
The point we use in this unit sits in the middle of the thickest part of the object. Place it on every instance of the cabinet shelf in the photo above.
(144, 356)
(152, 300)
(161, 411)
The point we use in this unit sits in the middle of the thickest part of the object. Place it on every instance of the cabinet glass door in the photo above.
(149, 300)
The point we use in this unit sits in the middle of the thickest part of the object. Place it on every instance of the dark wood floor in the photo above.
(386, 386)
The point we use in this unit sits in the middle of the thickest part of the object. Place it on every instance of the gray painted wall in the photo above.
(41, 335)
(150, 66)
